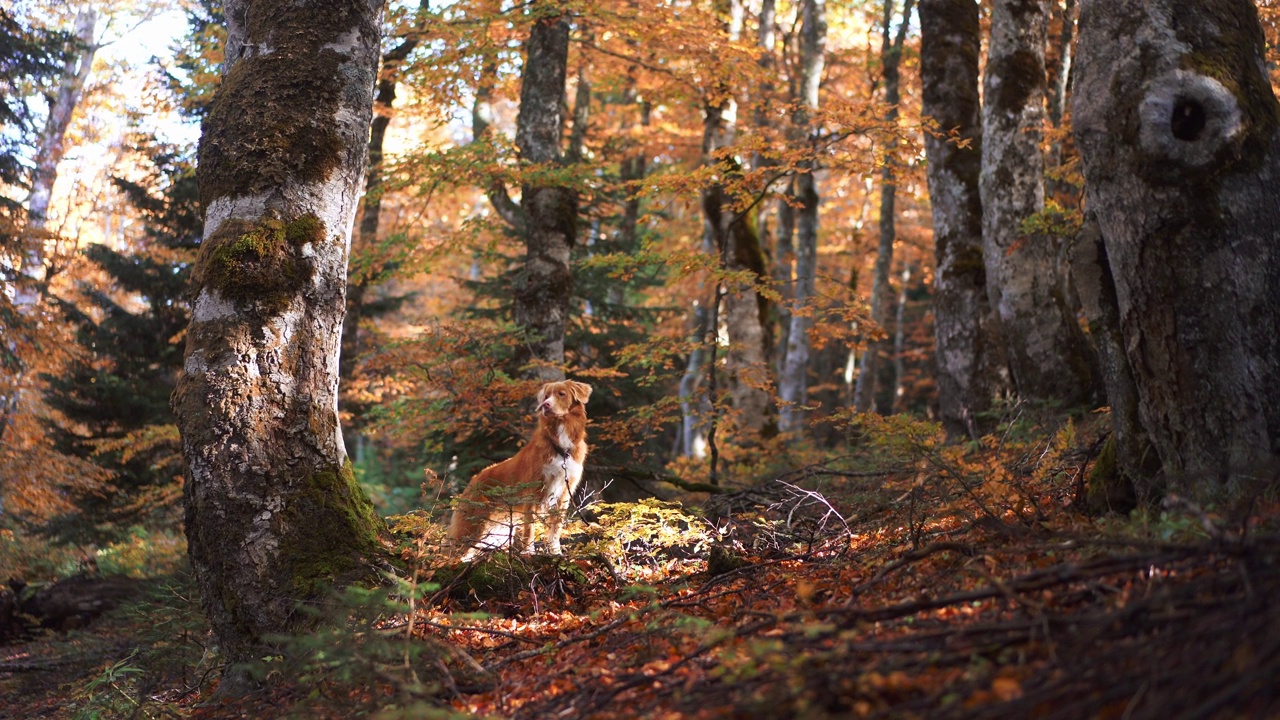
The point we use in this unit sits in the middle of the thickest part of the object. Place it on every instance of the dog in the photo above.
(500, 503)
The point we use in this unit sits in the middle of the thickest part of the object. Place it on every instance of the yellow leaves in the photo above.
(805, 590)
(1006, 689)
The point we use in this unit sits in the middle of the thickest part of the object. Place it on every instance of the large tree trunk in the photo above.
(543, 288)
(1050, 359)
(1179, 135)
(970, 354)
(273, 510)
(793, 384)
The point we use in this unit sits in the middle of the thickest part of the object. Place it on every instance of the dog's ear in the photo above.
(581, 391)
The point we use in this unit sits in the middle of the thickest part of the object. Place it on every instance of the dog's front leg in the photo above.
(526, 529)
(555, 518)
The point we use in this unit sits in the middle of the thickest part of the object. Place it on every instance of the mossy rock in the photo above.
(502, 577)
(723, 560)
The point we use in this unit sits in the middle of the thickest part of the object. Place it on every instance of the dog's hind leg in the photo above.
(526, 529)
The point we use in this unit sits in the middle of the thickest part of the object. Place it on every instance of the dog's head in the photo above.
(557, 399)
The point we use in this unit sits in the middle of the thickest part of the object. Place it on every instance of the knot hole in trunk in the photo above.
(1188, 120)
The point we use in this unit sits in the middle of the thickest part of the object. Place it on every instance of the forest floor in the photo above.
(911, 581)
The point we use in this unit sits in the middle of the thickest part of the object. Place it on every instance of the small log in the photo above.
(64, 605)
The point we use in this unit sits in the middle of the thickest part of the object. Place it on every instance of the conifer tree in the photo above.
(115, 399)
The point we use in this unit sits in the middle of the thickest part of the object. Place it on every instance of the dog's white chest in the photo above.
(561, 476)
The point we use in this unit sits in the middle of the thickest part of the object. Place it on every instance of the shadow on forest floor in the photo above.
(956, 585)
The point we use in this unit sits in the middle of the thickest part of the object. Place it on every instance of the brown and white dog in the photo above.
(500, 504)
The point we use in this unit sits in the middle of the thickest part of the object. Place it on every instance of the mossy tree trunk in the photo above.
(793, 382)
(1048, 354)
(1179, 136)
(273, 513)
(970, 355)
(550, 208)
(732, 233)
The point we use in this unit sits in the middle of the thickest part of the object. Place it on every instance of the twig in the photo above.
(909, 558)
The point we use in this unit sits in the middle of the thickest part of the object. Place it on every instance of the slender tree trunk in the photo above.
(75, 73)
(900, 341)
(784, 256)
(693, 405)
(1051, 359)
(581, 114)
(543, 288)
(794, 381)
(734, 237)
(359, 279)
(32, 281)
(76, 69)
(273, 512)
(1060, 72)
(766, 39)
(1179, 134)
(970, 353)
(890, 58)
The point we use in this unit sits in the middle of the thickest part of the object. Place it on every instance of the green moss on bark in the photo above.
(331, 532)
(263, 131)
(258, 263)
(1107, 488)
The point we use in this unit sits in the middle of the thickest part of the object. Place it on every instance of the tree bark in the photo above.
(1051, 359)
(970, 354)
(543, 288)
(1179, 136)
(794, 381)
(273, 512)
(890, 60)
